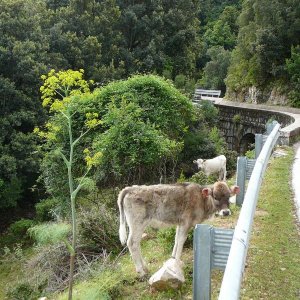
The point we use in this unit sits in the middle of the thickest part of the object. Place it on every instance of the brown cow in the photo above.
(183, 205)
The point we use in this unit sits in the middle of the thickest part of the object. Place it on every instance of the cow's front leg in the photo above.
(175, 242)
(180, 238)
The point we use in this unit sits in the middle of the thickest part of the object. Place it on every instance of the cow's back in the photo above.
(168, 204)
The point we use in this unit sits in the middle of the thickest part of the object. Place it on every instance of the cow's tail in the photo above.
(122, 228)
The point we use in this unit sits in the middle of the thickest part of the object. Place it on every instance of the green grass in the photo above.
(12, 269)
(273, 261)
(120, 280)
(273, 270)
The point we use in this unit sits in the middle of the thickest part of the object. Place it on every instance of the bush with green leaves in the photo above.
(144, 121)
(293, 68)
(50, 233)
(130, 146)
(98, 233)
(45, 209)
(23, 291)
(19, 230)
(231, 162)
(166, 237)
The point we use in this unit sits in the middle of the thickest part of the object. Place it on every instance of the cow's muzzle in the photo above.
(224, 212)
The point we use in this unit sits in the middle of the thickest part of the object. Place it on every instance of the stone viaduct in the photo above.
(238, 122)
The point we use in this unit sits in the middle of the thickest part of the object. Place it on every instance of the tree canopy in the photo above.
(267, 32)
(250, 43)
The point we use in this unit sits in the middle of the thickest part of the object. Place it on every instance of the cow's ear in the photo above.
(235, 190)
(194, 161)
(206, 192)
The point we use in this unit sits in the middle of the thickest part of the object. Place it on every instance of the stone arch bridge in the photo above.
(238, 122)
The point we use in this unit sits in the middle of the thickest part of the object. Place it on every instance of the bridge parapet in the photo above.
(237, 120)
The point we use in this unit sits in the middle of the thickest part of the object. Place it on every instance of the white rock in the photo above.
(169, 276)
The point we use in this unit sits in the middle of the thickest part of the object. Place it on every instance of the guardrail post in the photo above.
(270, 126)
(202, 262)
(258, 143)
(241, 178)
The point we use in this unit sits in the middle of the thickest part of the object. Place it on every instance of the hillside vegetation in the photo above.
(229, 45)
(96, 95)
(273, 256)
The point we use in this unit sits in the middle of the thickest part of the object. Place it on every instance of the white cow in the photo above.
(215, 165)
(183, 205)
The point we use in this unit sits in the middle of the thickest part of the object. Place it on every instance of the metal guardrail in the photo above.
(214, 247)
(260, 139)
(211, 250)
(231, 284)
(245, 167)
(199, 93)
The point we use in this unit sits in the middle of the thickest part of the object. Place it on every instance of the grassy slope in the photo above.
(123, 283)
(8, 273)
(273, 270)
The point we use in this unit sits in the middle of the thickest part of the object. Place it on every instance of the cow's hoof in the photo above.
(142, 278)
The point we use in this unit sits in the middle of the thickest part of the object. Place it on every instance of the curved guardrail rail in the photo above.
(216, 248)
(231, 284)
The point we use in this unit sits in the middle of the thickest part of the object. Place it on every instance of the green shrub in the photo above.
(45, 209)
(19, 229)
(50, 233)
(293, 69)
(10, 190)
(181, 178)
(98, 228)
(250, 154)
(236, 118)
(197, 144)
(218, 140)
(166, 236)
(22, 291)
(231, 162)
(144, 120)
(202, 179)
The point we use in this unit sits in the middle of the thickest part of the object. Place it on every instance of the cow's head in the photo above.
(199, 162)
(221, 194)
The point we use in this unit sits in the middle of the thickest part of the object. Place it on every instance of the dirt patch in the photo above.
(261, 213)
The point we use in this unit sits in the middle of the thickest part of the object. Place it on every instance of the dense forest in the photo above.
(139, 62)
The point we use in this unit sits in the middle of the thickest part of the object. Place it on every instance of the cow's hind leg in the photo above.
(134, 246)
(180, 238)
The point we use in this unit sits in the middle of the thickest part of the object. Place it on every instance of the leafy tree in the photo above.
(293, 68)
(212, 9)
(156, 35)
(23, 59)
(131, 146)
(267, 31)
(84, 34)
(144, 121)
(215, 70)
(219, 26)
(223, 31)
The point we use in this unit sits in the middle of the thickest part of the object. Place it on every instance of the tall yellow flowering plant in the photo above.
(59, 92)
